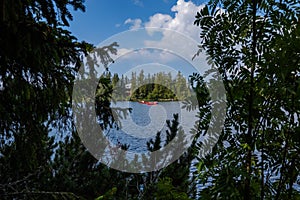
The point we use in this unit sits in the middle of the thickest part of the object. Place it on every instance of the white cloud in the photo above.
(158, 20)
(135, 23)
(170, 45)
(182, 22)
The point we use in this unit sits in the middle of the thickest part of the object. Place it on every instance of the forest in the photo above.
(156, 87)
(254, 45)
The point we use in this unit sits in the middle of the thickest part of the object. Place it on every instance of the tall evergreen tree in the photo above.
(38, 61)
(175, 180)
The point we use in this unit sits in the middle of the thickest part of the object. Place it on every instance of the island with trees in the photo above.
(156, 87)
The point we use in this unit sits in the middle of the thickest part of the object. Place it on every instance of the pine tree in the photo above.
(175, 178)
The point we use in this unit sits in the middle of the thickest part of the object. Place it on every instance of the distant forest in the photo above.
(151, 87)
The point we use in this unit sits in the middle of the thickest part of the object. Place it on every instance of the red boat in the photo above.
(150, 103)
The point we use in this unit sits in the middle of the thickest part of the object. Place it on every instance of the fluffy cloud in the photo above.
(183, 21)
(158, 20)
(182, 44)
(135, 23)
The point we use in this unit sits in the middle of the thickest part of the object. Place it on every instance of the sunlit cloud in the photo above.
(135, 23)
(182, 21)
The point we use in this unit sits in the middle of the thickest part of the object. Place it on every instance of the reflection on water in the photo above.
(148, 120)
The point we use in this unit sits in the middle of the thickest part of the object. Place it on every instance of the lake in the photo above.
(145, 121)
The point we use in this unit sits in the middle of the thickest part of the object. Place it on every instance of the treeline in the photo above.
(156, 87)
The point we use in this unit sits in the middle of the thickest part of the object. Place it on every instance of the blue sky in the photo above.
(104, 18)
(105, 21)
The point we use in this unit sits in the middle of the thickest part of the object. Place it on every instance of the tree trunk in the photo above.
(247, 192)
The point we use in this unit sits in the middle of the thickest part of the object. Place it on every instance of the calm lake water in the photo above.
(145, 121)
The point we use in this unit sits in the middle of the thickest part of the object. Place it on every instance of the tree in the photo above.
(134, 84)
(249, 43)
(35, 56)
(79, 173)
(180, 86)
(174, 181)
(166, 191)
(38, 63)
(35, 74)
